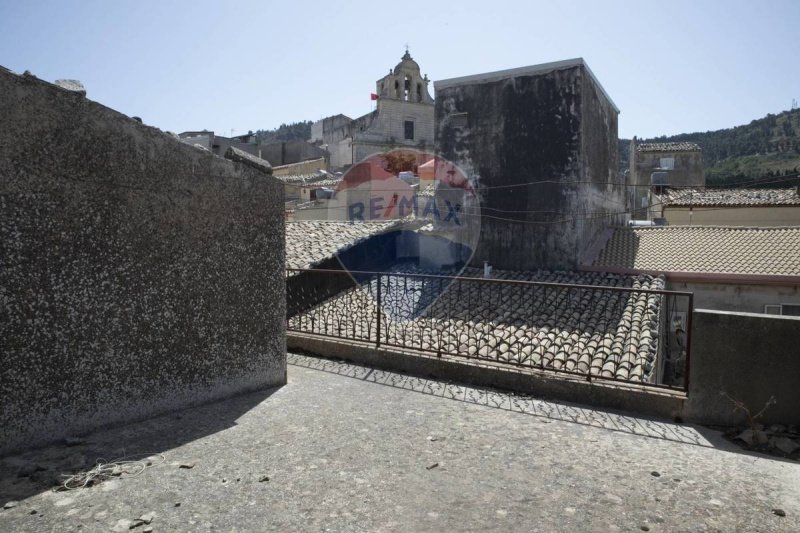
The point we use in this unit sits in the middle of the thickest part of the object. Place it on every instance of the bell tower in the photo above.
(405, 83)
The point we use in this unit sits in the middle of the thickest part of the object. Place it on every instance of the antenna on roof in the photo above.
(794, 101)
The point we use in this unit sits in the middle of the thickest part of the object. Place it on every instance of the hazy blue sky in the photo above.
(671, 67)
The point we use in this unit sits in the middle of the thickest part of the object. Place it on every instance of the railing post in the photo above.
(380, 309)
(689, 315)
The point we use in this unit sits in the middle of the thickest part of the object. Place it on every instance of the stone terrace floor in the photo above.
(349, 448)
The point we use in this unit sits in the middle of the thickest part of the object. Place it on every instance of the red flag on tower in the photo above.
(373, 96)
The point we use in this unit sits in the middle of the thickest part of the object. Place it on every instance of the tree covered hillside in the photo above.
(286, 132)
(767, 147)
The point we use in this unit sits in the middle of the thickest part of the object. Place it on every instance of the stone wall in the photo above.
(304, 167)
(751, 357)
(687, 171)
(540, 144)
(746, 298)
(289, 152)
(139, 274)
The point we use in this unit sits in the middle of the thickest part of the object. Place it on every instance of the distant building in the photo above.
(674, 164)
(403, 118)
(728, 206)
(278, 153)
(309, 166)
(539, 144)
(752, 270)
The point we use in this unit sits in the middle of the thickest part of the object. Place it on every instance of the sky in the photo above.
(671, 67)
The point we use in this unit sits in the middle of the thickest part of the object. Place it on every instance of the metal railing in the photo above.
(633, 334)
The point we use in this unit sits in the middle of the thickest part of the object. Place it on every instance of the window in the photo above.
(409, 130)
(783, 309)
(667, 163)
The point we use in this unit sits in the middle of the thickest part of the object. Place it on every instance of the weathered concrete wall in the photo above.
(139, 274)
(289, 152)
(541, 145)
(737, 297)
(600, 201)
(751, 357)
(304, 167)
(687, 171)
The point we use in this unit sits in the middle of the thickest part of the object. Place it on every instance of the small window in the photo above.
(790, 309)
(409, 130)
(783, 309)
(667, 163)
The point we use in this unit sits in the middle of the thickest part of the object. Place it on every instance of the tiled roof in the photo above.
(240, 156)
(428, 192)
(310, 242)
(668, 147)
(300, 178)
(324, 183)
(612, 334)
(730, 197)
(704, 249)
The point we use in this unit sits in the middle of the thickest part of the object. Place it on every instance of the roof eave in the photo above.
(700, 277)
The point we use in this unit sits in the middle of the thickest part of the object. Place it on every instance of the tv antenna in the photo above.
(794, 104)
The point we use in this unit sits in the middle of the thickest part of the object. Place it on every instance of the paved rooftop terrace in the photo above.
(349, 448)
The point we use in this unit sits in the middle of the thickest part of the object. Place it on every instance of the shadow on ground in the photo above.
(28, 473)
(609, 419)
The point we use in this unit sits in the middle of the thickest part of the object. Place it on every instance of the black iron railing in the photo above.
(638, 333)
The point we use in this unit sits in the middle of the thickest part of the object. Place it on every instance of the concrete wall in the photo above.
(733, 216)
(749, 356)
(687, 171)
(296, 169)
(327, 128)
(538, 124)
(738, 297)
(139, 274)
(288, 152)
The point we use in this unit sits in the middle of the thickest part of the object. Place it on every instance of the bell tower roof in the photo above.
(404, 82)
(407, 63)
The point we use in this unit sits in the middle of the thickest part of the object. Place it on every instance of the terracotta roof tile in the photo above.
(668, 147)
(605, 333)
(704, 249)
(731, 197)
(310, 242)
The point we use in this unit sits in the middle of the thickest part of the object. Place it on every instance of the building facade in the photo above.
(278, 153)
(728, 268)
(728, 206)
(403, 118)
(674, 164)
(539, 144)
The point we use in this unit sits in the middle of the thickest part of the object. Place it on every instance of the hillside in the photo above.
(764, 148)
(286, 132)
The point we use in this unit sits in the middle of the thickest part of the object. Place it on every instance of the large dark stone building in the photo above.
(539, 144)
